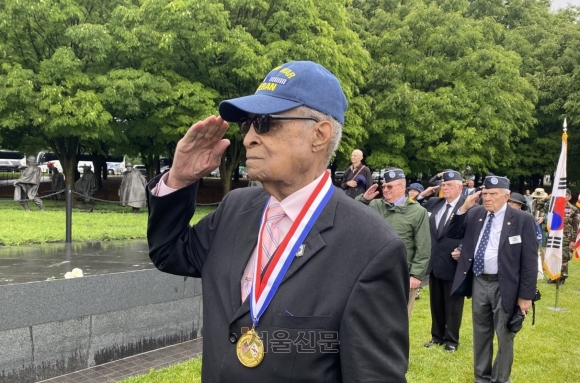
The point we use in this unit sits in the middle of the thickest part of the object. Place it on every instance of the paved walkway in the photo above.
(135, 365)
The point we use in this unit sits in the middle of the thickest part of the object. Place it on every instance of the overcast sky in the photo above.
(563, 3)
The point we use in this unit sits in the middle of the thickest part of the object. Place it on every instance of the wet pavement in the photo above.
(135, 365)
(21, 264)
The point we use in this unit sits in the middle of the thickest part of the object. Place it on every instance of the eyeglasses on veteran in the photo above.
(389, 187)
(262, 122)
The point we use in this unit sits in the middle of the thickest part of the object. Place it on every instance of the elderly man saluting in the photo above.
(294, 274)
(497, 267)
(409, 219)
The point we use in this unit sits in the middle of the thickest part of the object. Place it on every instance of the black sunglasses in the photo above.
(262, 122)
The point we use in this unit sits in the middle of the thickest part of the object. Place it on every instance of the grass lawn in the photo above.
(108, 221)
(546, 352)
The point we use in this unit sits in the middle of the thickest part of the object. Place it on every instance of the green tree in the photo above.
(51, 53)
(444, 93)
(548, 45)
(229, 47)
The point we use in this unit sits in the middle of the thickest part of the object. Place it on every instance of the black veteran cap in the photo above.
(450, 175)
(393, 174)
(496, 182)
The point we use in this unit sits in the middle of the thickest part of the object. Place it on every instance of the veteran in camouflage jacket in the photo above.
(570, 232)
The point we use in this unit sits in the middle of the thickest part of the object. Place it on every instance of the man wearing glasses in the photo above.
(294, 274)
(409, 219)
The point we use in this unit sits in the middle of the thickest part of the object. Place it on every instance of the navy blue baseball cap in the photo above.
(392, 174)
(416, 186)
(496, 182)
(451, 175)
(288, 86)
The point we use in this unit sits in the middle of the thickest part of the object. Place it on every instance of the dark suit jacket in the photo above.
(441, 263)
(517, 263)
(360, 187)
(352, 281)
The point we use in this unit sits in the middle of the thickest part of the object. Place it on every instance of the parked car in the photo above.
(141, 168)
(378, 173)
(10, 161)
(338, 175)
(9, 165)
(114, 168)
(243, 172)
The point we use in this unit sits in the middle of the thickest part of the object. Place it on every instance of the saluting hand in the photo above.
(371, 192)
(470, 201)
(198, 152)
(430, 190)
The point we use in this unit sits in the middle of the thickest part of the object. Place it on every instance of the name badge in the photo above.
(515, 239)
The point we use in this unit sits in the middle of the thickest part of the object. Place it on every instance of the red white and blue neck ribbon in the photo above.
(265, 285)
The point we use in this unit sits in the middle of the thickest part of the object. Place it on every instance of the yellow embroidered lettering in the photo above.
(266, 86)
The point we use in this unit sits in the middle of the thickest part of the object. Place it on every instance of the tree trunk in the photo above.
(100, 166)
(66, 149)
(333, 167)
(536, 179)
(230, 162)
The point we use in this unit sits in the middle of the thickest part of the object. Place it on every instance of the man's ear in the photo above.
(322, 135)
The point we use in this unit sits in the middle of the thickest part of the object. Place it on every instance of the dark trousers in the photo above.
(446, 312)
(489, 317)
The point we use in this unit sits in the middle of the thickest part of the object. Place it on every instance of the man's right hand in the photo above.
(470, 202)
(198, 152)
(351, 183)
(430, 190)
(371, 192)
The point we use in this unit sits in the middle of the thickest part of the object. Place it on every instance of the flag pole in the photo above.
(556, 308)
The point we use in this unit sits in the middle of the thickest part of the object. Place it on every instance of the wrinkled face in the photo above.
(494, 199)
(394, 190)
(451, 189)
(413, 193)
(283, 153)
(356, 157)
(515, 205)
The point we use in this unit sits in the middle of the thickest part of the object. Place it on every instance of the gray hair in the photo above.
(336, 128)
(506, 191)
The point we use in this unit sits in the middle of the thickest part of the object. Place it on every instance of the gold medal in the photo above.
(250, 349)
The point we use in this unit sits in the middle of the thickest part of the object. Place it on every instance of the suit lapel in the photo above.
(479, 225)
(433, 220)
(508, 223)
(246, 238)
(313, 243)
(455, 208)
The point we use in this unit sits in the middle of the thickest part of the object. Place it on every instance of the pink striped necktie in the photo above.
(270, 241)
(271, 236)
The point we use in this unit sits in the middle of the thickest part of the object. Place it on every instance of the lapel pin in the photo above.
(300, 251)
(509, 223)
(480, 220)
